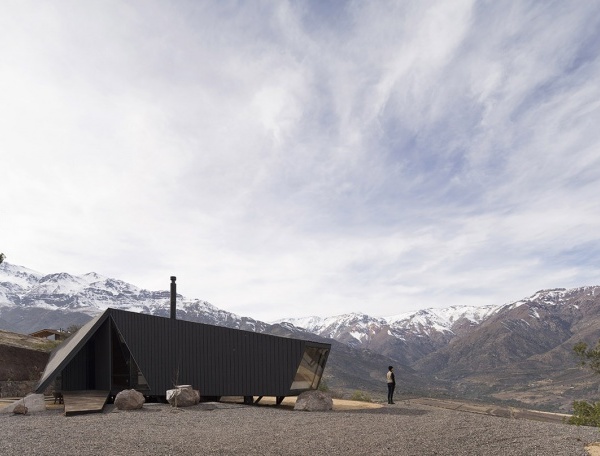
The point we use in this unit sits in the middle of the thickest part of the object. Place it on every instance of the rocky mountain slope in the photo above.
(407, 337)
(524, 351)
(522, 332)
(520, 351)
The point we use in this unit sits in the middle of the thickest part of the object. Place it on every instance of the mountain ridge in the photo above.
(519, 351)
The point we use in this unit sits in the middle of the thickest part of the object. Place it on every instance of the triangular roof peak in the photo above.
(66, 351)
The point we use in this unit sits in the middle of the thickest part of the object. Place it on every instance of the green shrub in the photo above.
(50, 345)
(323, 386)
(585, 414)
(336, 394)
(360, 396)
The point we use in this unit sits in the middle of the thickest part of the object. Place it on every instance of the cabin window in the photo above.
(308, 375)
(125, 372)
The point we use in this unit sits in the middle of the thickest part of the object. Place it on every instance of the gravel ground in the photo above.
(228, 429)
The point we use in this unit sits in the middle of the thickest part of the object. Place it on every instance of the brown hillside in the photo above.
(22, 357)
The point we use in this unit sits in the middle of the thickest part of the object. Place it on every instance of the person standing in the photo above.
(391, 384)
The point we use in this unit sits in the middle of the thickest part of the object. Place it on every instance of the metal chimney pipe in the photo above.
(173, 298)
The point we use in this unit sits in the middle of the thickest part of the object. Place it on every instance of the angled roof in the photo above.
(65, 352)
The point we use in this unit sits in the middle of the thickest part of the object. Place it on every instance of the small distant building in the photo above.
(120, 350)
(50, 334)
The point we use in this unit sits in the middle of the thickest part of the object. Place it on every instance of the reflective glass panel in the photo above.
(125, 372)
(311, 368)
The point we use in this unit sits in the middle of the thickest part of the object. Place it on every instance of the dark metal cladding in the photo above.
(153, 354)
(173, 298)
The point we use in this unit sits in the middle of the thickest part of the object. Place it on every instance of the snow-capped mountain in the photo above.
(448, 319)
(407, 337)
(535, 335)
(412, 337)
(30, 299)
(422, 322)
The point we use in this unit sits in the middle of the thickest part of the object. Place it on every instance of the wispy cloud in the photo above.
(295, 158)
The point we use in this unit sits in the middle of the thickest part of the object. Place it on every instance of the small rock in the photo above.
(20, 409)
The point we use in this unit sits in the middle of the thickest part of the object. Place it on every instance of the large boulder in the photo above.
(32, 402)
(183, 396)
(314, 401)
(129, 400)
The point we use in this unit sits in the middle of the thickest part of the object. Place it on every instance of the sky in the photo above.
(289, 159)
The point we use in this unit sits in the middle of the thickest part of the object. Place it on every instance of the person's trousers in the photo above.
(391, 387)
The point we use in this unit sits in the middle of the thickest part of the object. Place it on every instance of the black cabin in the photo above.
(120, 350)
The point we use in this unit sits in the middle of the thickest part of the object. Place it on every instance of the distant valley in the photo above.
(518, 353)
